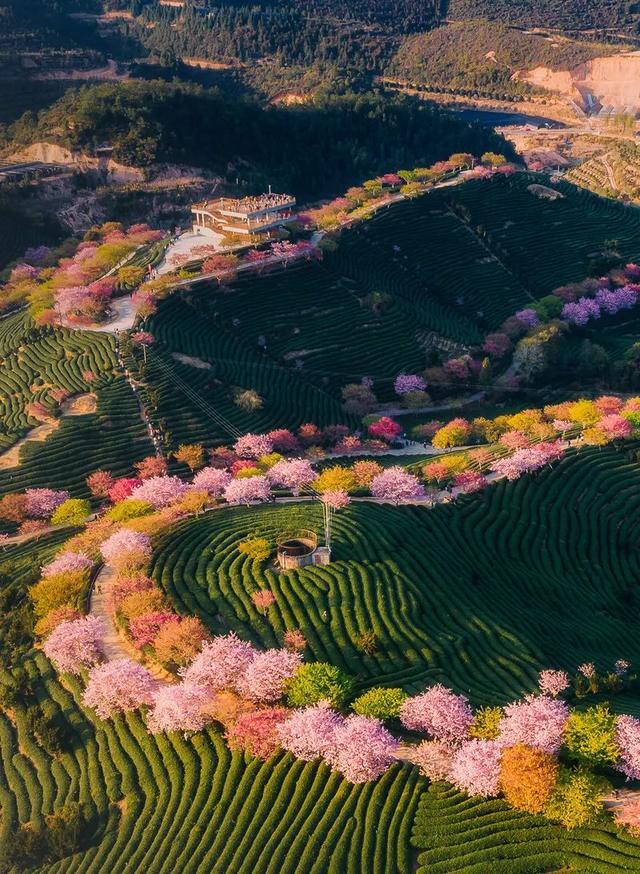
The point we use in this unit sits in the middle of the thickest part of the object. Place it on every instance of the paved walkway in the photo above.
(113, 643)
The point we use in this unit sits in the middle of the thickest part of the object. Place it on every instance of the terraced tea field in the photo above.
(471, 835)
(478, 595)
(36, 362)
(441, 269)
(216, 362)
(168, 803)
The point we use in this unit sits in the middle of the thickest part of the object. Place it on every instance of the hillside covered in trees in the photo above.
(484, 55)
(313, 150)
(578, 15)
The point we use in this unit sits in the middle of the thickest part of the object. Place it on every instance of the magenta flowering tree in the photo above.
(220, 663)
(628, 740)
(408, 382)
(438, 712)
(458, 368)
(67, 563)
(253, 445)
(395, 484)
(293, 474)
(178, 707)
(536, 721)
(362, 749)
(40, 503)
(247, 491)
(212, 480)
(469, 482)
(385, 429)
(475, 768)
(122, 488)
(265, 677)
(124, 542)
(160, 491)
(308, 733)
(553, 683)
(76, 645)
(496, 345)
(118, 686)
(284, 440)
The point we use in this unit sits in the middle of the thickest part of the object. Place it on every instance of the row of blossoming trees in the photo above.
(537, 753)
(74, 288)
(360, 201)
(272, 699)
(530, 336)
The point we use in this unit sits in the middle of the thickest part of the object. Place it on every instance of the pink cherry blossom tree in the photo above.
(144, 629)
(220, 664)
(438, 712)
(395, 484)
(212, 480)
(253, 446)
(308, 733)
(385, 429)
(247, 491)
(362, 749)
(616, 426)
(408, 382)
(122, 488)
(265, 677)
(469, 482)
(40, 503)
(536, 721)
(119, 686)
(124, 542)
(433, 757)
(76, 645)
(67, 563)
(178, 707)
(553, 683)
(628, 740)
(475, 768)
(293, 474)
(160, 491)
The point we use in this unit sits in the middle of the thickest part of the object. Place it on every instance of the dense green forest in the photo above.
(315, 149)
(579, 15)
(482, 55)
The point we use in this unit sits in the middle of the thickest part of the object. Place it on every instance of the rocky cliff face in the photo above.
(612, 82)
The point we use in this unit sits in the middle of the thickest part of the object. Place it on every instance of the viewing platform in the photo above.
(247, 216)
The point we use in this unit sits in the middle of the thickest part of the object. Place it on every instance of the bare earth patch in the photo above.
(191, 361)
(79, 405)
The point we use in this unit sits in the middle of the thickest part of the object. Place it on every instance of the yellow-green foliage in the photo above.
(485, 722)
(590, 736)
(257, 548)
(132, 508)
(576, 799)
(57, 591)
(73, 511)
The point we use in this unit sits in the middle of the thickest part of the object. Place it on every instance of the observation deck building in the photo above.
(247, 216)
